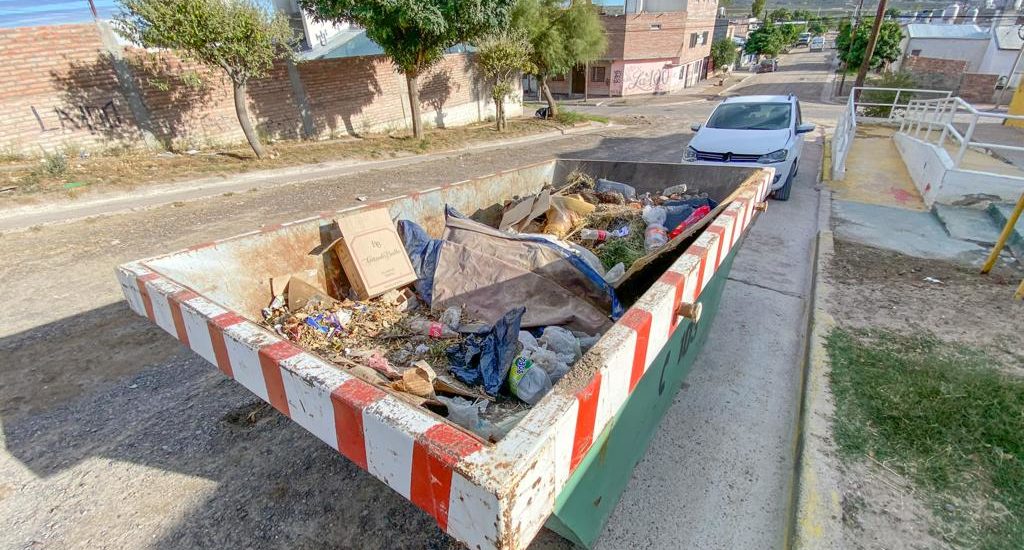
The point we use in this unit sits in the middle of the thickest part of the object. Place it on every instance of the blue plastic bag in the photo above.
(423, 253)
(485, 357)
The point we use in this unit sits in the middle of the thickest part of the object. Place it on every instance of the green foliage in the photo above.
(802, 15)
(767, 40)
(757, 7)
(851, 48)
(790, 33)
(887, 80)
(723, 52)
(892, 13)
(562, 37)
(943, 416)
(779, 14)
(415, 33)
(816, 28)
(574, 117)
(503, 57)
(55, 164)
(237, 36)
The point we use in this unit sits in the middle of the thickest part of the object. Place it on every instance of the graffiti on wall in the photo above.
(647, 79)
(78, 117)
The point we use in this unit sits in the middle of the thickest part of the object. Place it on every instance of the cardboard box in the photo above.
(372, 254)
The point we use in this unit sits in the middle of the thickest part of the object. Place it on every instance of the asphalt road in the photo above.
(114, 436)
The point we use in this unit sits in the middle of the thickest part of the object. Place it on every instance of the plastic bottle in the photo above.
(675, 190)
(613, 275)
(527, 381)
(627, 191)
(655, 236)
(433, 329)
(600, 235)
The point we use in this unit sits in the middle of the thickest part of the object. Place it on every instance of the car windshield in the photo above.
(751, 116)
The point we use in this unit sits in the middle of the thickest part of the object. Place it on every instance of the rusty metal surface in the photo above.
(235, 273)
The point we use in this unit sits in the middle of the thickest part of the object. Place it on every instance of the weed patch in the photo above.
(944, 416)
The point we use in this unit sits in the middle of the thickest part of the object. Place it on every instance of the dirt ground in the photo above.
(36, 179)
(113, 435)
(881, 289)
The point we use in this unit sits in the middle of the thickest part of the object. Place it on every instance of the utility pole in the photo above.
(854, 27)
(866, 62)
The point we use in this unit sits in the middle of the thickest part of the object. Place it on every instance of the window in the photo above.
(751, 116)
(693, 39)
(656, 27)
(597, 74)
(915, 52)
(704, 38)
(558, 78)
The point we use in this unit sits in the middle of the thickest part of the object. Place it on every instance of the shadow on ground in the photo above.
(109, 385)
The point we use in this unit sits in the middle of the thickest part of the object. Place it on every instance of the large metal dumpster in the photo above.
(567, 462)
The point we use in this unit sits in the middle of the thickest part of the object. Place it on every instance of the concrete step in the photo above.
(1000, 213)
(967, 224)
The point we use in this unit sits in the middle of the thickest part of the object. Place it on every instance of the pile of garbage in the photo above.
(480, 324)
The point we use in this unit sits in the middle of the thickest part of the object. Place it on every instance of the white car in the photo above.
(759, 130)
(817, 44)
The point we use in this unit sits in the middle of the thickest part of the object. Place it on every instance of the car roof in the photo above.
(760, 99)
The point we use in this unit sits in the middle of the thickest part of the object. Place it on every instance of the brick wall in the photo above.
(56, 83)
(654, 35)
(934, 73)
(58, 86)
(951, 74)
(978, 88)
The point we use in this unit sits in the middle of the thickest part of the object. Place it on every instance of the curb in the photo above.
(817, 515)
(115, 202)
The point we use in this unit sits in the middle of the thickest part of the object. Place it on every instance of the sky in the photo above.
(24, 13)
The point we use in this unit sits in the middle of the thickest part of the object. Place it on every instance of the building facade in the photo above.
(654, 47)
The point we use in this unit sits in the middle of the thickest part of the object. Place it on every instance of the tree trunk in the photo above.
(499, 113)
(552, 106)
(243, 118)
(412, 81)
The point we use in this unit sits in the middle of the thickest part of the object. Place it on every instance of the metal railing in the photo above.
(874, 105)
(941, 115)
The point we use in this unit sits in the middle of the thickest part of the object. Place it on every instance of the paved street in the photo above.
(115, 436)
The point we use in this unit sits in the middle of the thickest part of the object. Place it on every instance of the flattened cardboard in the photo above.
(372, 254)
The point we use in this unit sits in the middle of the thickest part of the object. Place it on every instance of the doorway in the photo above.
(579, 80)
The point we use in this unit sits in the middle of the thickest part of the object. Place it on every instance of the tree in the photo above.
(503, 57)
(414, 34)
(767, 40)
(892, 13)
(723, 52)
(562, 37)
(802, 15)
(779, 14)
(816, 27)
(236, 36)
(757, 7)
(851, 48)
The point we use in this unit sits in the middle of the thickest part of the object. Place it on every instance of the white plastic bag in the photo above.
(562, 342)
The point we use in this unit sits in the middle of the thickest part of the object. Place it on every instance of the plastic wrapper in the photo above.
(484, 358)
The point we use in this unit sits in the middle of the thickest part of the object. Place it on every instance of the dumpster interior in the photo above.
(474, 300)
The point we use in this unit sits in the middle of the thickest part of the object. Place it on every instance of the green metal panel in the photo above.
(593, 490)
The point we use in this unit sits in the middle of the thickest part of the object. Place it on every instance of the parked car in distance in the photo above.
(767, 66)
(803, 39)
(817, 43)
(765, 130)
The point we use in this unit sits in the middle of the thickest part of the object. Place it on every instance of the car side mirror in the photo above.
(695, 127)
(804, 128)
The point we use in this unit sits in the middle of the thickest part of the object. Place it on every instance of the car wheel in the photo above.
(782, 193)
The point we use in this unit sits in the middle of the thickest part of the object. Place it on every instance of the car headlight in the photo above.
(773, 157)
(690, 154)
